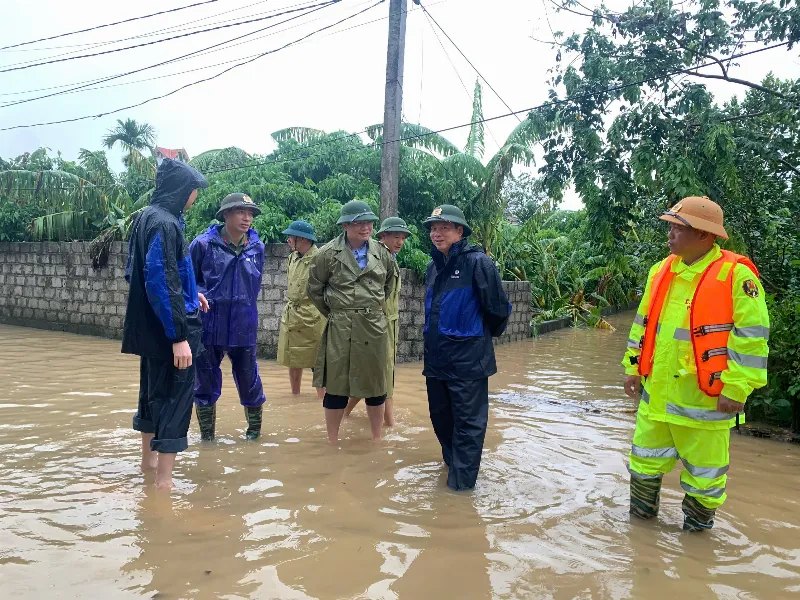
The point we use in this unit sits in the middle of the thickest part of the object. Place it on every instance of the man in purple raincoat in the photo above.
(228, 260)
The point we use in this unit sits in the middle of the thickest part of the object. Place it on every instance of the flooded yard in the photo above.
(289, 517)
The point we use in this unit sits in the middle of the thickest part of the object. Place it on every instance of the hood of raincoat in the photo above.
(174, 184)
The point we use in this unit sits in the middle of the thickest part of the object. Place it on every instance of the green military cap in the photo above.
(237, 200)
(302, 229)
(394, 224)
(448, 213)
(356, 210)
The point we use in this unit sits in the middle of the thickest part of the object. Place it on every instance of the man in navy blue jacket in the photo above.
(162, 319)
(465, 306)
(228, 260)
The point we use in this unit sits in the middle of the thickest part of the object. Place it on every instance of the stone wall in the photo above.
(52, 285)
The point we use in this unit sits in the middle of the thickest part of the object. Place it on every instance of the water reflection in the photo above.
(287, 517)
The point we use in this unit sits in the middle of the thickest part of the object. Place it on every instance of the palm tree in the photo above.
(133, 137)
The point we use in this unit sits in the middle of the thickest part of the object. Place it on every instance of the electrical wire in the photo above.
(463, 85)
(182, 57)
(86, 85)
(465, 58)
(111, 112)
(173, 29)
(60, 35)
(168, 39)
(156, 32)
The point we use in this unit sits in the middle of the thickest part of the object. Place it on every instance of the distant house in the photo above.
(162, 153)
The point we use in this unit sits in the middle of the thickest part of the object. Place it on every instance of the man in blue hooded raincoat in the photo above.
(228, 260)
(162, 319)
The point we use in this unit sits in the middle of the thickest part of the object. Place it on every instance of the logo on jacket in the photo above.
(750, 288)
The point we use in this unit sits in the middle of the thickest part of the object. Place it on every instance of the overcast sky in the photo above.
(332, 81)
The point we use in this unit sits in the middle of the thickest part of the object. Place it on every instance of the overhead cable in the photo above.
(178, 58)
(273, 51)
(168, 39)
(60, 35)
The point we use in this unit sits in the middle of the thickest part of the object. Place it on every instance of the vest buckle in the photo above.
(634, 360)
(714, 377)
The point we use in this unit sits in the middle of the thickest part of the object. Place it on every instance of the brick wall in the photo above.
(52, 285)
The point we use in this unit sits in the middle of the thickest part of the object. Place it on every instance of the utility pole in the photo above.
(393, 108)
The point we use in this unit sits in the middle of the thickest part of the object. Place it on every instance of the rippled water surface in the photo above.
(288, 517)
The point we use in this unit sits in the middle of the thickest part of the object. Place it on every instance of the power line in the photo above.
(111, 112)
(465, 58)
(463, 85)
(182, 57)
(87, 84)
(370, 146)
(544, 105)
(156, 32)
(183, 35)
(172, 29)
(163, 12)
(549, 104)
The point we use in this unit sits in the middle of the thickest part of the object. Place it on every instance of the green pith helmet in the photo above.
(302, 229)
(448, 213)
(394, 225)
(356, 210)
(237, 200)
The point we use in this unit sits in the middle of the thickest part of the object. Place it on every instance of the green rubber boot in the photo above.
(696, 517)
(645, 497)
(207, 419)
(253, 415)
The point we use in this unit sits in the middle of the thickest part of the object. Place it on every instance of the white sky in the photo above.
(330, 82)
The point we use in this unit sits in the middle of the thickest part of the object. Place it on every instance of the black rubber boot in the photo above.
(645, 497)
(207, 419)
(253, 415)
(696, 517)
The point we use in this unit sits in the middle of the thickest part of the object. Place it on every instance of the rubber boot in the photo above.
(253, 415)
(696, 517)
(207, 419)
(645, 497)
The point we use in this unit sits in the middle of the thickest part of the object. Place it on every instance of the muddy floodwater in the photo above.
(288, 517)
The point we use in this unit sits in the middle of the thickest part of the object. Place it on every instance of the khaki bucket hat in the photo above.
(698, 212)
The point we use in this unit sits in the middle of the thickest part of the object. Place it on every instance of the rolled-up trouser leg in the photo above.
(246, 377)
(208, 376)
(171, 398)
(143, 419)
(441, 415)
(653, 453)
(706, 456)
(469, 402)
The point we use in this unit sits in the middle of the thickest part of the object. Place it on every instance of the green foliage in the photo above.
(635, 131)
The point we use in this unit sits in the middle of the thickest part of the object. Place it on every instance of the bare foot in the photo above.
(165, 484)
(389, 422)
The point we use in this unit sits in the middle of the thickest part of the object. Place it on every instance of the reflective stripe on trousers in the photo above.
(657, 447)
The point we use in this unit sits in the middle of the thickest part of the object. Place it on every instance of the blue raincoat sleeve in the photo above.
(197, 250)
(163, 284)
(492, 297)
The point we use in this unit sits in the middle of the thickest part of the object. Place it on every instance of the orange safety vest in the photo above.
(710, 318)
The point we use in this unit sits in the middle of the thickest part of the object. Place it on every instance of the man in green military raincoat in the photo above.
(392, 234)
(350, 280)
(301, 323)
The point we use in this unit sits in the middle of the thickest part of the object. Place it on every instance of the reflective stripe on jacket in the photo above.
(671, 392)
